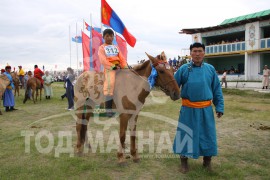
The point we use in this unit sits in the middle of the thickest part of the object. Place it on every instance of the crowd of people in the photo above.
(46, 79)
(225, 42)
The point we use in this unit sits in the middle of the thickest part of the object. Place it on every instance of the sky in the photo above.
(37, 31)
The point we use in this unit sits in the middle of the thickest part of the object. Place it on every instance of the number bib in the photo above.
(111, 50)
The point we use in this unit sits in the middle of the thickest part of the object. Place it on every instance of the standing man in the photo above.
(266, 74)
(8, 97)
(38, 74)
(200, 87)
(70, 80)
(21, 76)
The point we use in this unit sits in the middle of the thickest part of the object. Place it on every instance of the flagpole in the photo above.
(77, 48)
(69, 39)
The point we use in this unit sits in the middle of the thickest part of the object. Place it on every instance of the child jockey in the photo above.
(112, 59)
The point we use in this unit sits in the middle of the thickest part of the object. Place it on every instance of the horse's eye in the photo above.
(161, 71)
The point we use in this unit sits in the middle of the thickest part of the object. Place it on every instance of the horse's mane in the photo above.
(141, 66)
(140, 69)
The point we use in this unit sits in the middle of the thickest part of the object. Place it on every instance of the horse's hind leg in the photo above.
(83, 114)
(123, 128)
(40, 94)
(33, 95)
(133, 150)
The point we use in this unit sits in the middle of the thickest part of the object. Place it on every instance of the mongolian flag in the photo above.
(110, 18)
(122, 44)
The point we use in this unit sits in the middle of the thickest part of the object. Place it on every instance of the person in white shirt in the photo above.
(266, 74)
(223, 78)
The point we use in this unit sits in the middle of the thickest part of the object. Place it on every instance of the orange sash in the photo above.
(199, 104)
(9, 87)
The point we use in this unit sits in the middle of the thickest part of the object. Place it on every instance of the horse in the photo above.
(33, 84)
(131, 90)
(16, 82)
(4, 82)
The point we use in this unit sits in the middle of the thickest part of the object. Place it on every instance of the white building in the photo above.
(242, 42)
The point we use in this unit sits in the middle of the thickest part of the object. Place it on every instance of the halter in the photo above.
(163, 86)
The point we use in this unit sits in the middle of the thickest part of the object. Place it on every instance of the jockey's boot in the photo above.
(207, 163)
(108, 106)
(184, 164)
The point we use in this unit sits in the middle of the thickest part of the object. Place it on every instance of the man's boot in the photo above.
(7, 109)
(108, 106)
(207, 163)
(184, 164)
(12, 108)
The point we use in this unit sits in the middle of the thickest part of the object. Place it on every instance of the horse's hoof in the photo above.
(137, 160)
(127, 156)
(122, 163)
(79, 154)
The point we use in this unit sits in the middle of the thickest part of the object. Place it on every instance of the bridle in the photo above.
(163, 86)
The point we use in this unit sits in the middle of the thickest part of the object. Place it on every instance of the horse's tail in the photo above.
(26, 92)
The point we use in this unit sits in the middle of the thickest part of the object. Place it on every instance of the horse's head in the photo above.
(165, 79)
(4, 80)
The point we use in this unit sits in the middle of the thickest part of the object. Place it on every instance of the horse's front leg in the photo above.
(40, 94)
(123, 128)
(133, 150)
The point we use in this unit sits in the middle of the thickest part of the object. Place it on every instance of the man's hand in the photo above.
(219, 114)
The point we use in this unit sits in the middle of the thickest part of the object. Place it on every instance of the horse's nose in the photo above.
(176, 95)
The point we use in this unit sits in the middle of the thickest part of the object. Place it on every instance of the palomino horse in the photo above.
(131, 90)
(16, 82)
(33, 84)
(4, 82)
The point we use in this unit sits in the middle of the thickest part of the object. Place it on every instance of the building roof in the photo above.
(240, 20)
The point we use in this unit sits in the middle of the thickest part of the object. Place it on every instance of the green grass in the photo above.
(244, 150)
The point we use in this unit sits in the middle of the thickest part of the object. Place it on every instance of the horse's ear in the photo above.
(151, 58)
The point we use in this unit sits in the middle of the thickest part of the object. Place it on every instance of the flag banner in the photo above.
(110, 18)
(96, 42)
(86, 52)
(88, 27)
(77, 39)
(122, 44)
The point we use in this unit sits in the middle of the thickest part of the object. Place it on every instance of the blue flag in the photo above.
(77, 39)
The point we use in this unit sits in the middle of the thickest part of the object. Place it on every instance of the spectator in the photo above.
(170, 61)
(48, 80)
(266, 74)
(70, 88)
(27, 76)
(223, 78)
(8, 97)
(174, 61)
(21, 76)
